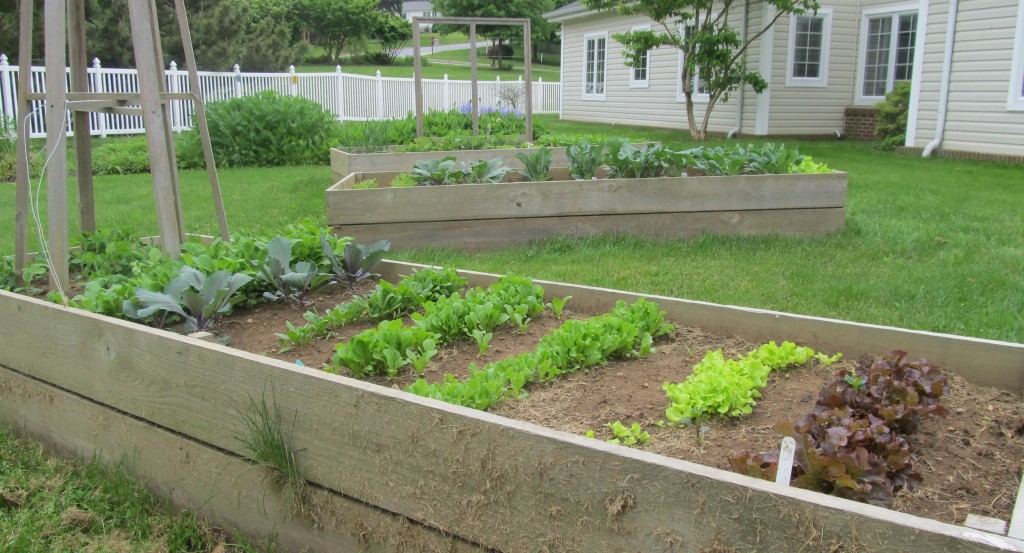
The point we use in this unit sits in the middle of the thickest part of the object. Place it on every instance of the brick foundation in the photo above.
(958, 154)
(859, 123)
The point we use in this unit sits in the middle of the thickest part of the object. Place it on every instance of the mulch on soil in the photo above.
(971, 460)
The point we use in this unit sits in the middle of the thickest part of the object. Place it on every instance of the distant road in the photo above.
(427, 50)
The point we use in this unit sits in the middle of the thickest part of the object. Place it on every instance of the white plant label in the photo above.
(786, 452)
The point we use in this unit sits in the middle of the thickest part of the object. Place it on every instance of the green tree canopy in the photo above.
(335, 22)
(713, 49)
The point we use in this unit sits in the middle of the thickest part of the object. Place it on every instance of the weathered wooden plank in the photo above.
(56, 143)
(83, 137)
(497, 233)
(980, 361)
(504, 484)
(508, 200)
(225, 489)
(21, 164)
(144, 37)
(127, 97)
(202, 126)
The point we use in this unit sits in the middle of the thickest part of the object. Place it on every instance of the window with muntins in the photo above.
(889, 53)
(594, 66)
(639, 75)
(808, 41)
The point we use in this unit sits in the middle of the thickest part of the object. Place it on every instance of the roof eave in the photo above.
(558, 16)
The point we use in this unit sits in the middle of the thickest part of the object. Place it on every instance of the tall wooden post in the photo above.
(527, 62)
(165, 108)
(474, 87)
(83, 145)
(200, 118)
(417, 75)
(21, 148)
(149, 68)
(56, 142)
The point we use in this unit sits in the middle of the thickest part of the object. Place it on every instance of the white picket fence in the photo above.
(346, 95)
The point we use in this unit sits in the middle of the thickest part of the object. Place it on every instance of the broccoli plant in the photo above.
(536, 166)
(198, 299)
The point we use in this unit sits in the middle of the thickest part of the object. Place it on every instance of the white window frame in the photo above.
(826, 39)
(586, 39)
(697, 96)
(1015, 100)
(919, 36)
(646, 82)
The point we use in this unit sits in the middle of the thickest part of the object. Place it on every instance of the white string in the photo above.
(33, 199)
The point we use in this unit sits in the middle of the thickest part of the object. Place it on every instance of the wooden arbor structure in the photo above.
(64, 27)
(475, 100)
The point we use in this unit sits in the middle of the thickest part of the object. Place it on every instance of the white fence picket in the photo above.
(347, 96)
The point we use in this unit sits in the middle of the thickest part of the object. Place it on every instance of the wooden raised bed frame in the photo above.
(474, 216)
(396, 472)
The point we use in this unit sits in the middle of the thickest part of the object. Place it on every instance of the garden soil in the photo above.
(970, 461)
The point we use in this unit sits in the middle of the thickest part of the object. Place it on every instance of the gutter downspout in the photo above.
(739, 102)
(947, 70)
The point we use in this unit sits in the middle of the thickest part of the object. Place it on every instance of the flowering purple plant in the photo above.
(467, 109)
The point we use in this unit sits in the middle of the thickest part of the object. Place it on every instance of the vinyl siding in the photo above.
(654, 106)
(815, 110)
(977, 116)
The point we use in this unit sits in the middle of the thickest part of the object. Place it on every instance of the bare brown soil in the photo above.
(971, 461)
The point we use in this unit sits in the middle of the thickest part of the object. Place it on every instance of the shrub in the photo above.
(891, 117)
(121, 157)
(267, 129)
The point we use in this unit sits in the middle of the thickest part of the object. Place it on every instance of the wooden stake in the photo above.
(143, 35)
(168, 121)
(527, 61)
(417, 75)
(21, 150)
(56, 143)
(200, 118)
(83, 138)
(473, 86)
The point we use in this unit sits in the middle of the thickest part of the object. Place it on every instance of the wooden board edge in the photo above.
(574, 453)
(226, 489)
(499, 233)
(981, 361)
(606, 197)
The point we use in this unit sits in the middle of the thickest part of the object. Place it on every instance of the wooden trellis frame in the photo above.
(64, 26)
(475, 100)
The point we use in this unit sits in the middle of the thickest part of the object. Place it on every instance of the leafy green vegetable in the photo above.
(626, 331)
(628, 435)
(718, 386)
(193, 296)
(288, 282)
(403, 180)
(585, 158)
(536, 165)
(358, 261)
(365, 184)
(854, 443)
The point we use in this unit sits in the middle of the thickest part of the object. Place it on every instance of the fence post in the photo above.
(6, 90)
(294, 80)
(238, 81)
(172, 87)
(380, 96)
(540, 95)
(447, 93)
(97, 86)
(340, 83)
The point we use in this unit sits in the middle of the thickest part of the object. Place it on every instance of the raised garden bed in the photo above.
(491, 215)
(394, 469)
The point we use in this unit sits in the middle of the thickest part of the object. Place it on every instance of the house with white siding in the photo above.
(826, 71)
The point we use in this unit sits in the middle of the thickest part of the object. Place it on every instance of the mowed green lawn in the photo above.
(930, 244)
